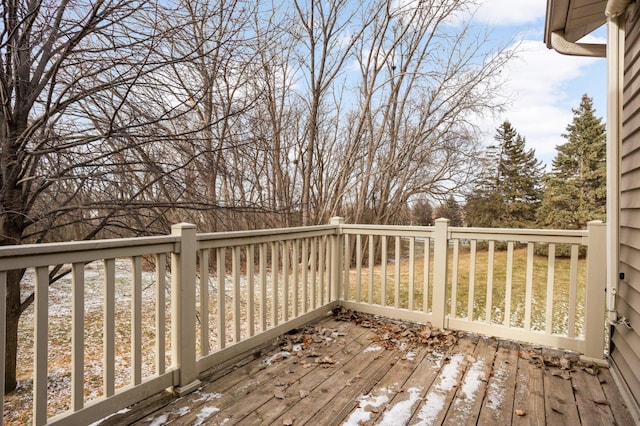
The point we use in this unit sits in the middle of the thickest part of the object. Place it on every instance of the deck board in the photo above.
(347, 373)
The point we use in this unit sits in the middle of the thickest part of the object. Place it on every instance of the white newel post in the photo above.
(337, 254)
(440, 268)
(183, 309)
(595, 295)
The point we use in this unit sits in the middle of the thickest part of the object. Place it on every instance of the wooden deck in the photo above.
(392, 373)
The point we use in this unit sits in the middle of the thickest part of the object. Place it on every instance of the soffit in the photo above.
(576, 18)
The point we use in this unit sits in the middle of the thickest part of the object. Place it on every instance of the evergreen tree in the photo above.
(509, 193)
(450, 210)
(575, 190)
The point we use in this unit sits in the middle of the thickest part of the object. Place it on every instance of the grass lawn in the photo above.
(539, 314)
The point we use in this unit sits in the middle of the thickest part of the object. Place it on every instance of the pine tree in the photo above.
(510, 191)
(575, 190)
(450, 210)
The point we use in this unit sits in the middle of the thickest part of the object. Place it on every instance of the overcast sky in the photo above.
(544, 85)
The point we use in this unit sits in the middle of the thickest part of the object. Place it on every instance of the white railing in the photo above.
(231, 292)
(449, 276)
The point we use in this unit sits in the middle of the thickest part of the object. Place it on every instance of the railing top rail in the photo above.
(560, 236)
(231, 238)
(33, 255)
(455, 231)
(388, 229)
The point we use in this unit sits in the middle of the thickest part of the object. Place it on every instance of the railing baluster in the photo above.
(573, 289)
(412, 253)
(305, 275)
(322, 269)
(295, 266)
(41, 343)
(275, 265)
(550, 278)
(235, 276)
(509, 284)
(346, 283)
(221, 301)
(314, 284)
(161, 282)
(263, 286)
(109, 326)
(472, 280)
(371, 268)
(528, 298)
(285, 281)
(359, 266)
(397, 255)
(136, 320)
(383, 271)
(204, 302)
(251, 307)
(77, 336)
(489, 299)
(425, 291)
(454, 277)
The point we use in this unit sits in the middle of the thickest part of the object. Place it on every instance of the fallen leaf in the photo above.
(288, 420)
(565, 363)
(280, 392)
(592, 370)
(326, 360)
(521, 413)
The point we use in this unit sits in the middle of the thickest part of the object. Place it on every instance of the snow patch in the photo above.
(205, 413)
(160, 420)
(472, 381)
(435, 399)
(401, 412)
(276, 357)
(208, 396)
(362, 414)
(373, 349)
(495, 393)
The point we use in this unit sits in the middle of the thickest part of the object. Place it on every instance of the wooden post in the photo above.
(337, 261)
(594, 308)
(440, 268)
(183, 309)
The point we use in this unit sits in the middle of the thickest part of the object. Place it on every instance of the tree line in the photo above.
(515, 191)
(122, 117)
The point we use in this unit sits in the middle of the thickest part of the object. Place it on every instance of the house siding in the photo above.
(625, 341)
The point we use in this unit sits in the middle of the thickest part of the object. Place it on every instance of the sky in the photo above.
(542, 84)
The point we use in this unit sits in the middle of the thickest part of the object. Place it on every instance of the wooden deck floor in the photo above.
(381, 373)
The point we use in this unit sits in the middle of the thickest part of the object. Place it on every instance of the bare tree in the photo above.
(421, 80)
(67, 132)
(120, 117)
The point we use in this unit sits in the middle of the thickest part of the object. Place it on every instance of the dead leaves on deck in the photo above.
(562, 362)
(394, 334)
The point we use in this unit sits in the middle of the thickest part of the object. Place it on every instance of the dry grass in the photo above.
(561, 284)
